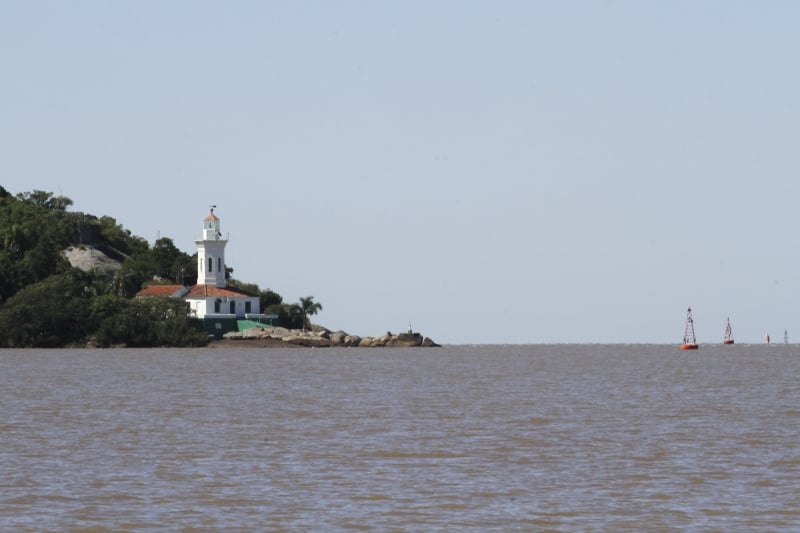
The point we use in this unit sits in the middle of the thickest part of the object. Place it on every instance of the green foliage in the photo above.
(168, 262)
(289, 315)
(267, 297)
(52, 313)
(45, 199)
(293, 316)
(151, 321)
(31, 236)
(309, 307)
(44, 302)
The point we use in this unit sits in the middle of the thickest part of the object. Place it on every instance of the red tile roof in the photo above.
(210, 291)
(159, 290)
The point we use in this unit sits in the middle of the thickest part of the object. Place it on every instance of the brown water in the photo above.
(492, 438)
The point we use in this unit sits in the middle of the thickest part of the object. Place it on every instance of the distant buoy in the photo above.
(728, 338)
(689, 340)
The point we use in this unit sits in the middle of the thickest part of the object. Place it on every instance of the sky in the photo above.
(483, 171)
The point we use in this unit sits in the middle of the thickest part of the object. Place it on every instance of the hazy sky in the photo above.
(492, 172)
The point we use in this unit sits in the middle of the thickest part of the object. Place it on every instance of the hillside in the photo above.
(68, 278)
(89, 258)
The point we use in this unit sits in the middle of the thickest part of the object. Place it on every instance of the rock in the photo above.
(320, 330)
(428, 343)
(320, 337)
(337, 339)
(405, 340)
(312, 341)
(254, 333)
(276, 332)
(86, 258)
(352, 340)
(383, 340)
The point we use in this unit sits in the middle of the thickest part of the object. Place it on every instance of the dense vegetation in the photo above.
(45, 302)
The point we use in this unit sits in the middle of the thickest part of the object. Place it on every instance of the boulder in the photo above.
(321, 331)
(311, 341)
(254, 333)
(86, 258)
(366, 342)
(405, 340)
(383, 340)
(352, 340)
(337, 339)
(276, 332)
(428, 343)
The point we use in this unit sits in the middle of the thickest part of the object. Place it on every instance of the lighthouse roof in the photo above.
(205, 291)
(211, 216)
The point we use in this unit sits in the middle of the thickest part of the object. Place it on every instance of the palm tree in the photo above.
(309, 307)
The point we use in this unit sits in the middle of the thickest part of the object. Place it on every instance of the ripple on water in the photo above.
(469, 438)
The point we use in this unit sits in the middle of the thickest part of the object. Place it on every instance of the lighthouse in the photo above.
(219, 307)
(211, 253)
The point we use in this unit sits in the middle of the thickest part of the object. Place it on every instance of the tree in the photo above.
(45, 199)
(268, 298)
(48, 314)
(289, 315)
(309, 307)
(171, 263)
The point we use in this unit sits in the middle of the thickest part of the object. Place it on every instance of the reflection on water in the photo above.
(563, 438)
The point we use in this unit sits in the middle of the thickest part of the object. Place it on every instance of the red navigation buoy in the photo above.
(689, 341)
(728, 338)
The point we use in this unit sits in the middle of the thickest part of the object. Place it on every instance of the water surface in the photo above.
(480, 438)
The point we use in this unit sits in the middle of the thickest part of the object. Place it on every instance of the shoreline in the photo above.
(264, 342)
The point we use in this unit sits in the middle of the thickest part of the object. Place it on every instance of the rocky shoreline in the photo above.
(319, 337)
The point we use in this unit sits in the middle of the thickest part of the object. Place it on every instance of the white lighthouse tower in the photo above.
(219, 307)
(211, 253)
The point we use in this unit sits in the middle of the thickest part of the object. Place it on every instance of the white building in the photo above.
(211, 299)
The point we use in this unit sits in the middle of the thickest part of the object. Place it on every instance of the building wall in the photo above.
(219, 326)
(204, 307)
(198, 306)
(215, 250)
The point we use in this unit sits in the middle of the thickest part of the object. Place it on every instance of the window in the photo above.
(233, 307)
(247, 307)
(210, 264)
(217, 304)
(219, 264)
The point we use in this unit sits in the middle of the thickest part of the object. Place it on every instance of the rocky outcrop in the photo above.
(311, 341)
(86, 258)
(405, 340)
(427, 342)
(351, 340)
(319, 337)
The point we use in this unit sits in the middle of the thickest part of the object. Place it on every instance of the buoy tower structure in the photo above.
(689, 340)
(728, 338)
